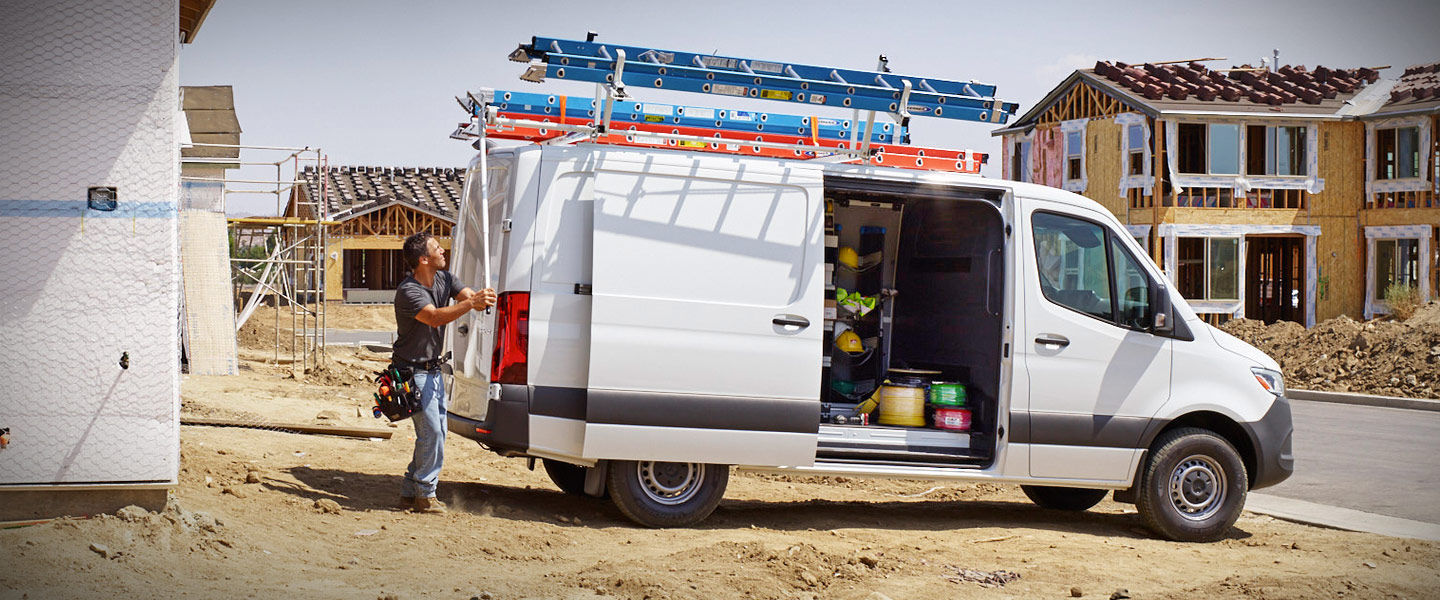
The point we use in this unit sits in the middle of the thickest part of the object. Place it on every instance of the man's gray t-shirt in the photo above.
(417, 342)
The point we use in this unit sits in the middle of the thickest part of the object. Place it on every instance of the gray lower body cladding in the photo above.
(506, 425)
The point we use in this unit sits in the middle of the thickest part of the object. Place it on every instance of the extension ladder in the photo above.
(768, 80)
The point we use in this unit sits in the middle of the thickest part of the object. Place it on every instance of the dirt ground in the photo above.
(1386, 357)
(261, 513)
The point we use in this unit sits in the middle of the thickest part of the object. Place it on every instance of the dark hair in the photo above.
(416, 246)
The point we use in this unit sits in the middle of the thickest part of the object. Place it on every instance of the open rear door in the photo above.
(708, 313)
(470, 338)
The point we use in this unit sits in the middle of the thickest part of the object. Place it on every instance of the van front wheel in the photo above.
(1194, 486)
(1060, 498)
(666, 494)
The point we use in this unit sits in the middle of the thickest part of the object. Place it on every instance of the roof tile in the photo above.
(1287, 85)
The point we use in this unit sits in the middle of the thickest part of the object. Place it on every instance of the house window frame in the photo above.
(1145, 181)
(1271, 149)
(1207, 151)
(1207, 266)
(1374, 292)
(1074, 127)
(1020, 148)
(1423, 175)
(1242, 183)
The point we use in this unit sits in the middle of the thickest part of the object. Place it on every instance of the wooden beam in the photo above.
(358, 432)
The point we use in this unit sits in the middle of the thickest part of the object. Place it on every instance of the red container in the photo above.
(952, 419)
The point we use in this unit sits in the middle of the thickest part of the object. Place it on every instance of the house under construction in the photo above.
(368, 213)
(1270, 193)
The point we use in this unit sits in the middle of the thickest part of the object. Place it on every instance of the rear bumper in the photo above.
(1274, 460)
(506, 428)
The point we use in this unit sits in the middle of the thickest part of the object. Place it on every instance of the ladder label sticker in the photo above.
(715, 62)
(776, 95)
(740, 115)
(698, 112)
(817, 98)
(729, 90)
(658, 109)
(766, 67)
(692, 144)
(654, 119)
(829, 123)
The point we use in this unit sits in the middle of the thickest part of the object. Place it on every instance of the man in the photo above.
(421, 313)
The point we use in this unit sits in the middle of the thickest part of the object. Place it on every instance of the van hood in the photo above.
(1233, 345)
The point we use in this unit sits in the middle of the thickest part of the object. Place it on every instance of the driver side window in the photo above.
(1074, 269)
(1086, 269)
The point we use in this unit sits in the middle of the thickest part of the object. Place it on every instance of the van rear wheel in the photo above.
(1061, 498)
(568, 477)
(666, 494)
(1194, 486)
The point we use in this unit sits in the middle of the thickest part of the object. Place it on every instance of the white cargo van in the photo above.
(667, 315)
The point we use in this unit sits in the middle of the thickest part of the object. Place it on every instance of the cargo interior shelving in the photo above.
(928, 268)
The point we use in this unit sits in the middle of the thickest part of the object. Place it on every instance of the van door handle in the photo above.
(1051, 339)
(793, 321)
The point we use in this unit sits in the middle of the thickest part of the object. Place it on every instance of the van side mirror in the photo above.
(1164, 322)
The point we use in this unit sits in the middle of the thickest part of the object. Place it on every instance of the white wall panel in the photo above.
(89, 97)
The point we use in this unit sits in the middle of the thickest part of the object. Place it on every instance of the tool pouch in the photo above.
(398, 396)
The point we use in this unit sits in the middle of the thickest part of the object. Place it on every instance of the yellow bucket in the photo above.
(902, 405)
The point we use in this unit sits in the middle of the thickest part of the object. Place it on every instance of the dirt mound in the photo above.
(1390, 358)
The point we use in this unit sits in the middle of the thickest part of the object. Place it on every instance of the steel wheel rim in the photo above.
(670, 483)
(1197, 487)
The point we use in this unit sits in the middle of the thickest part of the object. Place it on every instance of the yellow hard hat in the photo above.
(849, 342)
(848, 257)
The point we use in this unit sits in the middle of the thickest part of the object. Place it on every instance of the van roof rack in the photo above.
(610, 118)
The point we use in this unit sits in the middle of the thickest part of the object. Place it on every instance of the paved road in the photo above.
(1379, 460)
(350, 337)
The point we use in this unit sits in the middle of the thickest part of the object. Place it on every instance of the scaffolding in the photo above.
(289, 274)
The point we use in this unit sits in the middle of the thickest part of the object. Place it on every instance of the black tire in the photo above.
(568, 477)
(1193, 487)
(665, 494)
(1062, 498)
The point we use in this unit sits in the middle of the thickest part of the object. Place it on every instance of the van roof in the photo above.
(894, 174)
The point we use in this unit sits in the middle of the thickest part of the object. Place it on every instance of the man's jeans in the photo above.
(424, 471)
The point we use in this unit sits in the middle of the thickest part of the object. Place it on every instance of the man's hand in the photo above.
(484, 299)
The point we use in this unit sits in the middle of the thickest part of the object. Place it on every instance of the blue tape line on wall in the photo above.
(76, 208)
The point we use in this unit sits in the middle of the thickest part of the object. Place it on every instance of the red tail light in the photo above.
(512, 338)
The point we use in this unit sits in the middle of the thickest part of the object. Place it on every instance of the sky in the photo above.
(373, 83)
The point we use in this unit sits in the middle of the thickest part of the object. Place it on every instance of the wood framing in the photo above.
(393, 220)
(1083, 101)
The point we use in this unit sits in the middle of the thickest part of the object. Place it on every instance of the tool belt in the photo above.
(398, 397)
(433, 364)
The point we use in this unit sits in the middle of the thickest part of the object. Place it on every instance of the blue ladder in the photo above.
(879, 91)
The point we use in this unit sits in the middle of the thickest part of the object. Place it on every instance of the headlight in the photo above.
(1272, 381)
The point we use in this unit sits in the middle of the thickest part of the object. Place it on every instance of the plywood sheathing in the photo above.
(1102, 165)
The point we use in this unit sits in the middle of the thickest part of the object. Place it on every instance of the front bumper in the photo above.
(1271, 435)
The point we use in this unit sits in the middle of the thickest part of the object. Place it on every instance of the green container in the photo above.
(947, 394)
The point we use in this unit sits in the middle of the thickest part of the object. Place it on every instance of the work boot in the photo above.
(429, 505)
(407, 502)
